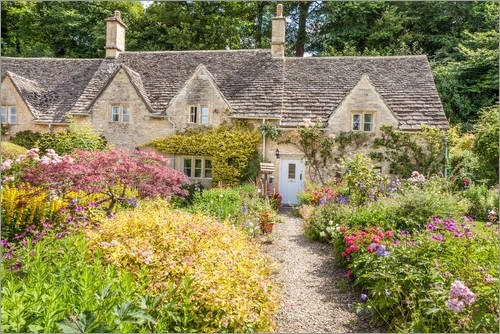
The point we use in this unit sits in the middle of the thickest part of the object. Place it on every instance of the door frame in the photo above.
(283, 177)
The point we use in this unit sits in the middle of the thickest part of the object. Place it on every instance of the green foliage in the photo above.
(317, 149)
(486, 145)
(422, 151)
(10, 150)
(63, 286)
(407, 286)
(27, 138)
(240, 205)
(361, 178)
(77, 136)
(465, 164)
(482, 199)
(270, 130)
(231, 150)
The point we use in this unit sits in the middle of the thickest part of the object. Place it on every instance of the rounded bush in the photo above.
(10, 150)
(233, 289)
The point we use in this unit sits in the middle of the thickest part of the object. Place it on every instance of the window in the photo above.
(291, 171)
(362, 122)
(120, 113)
(187, 167)
(204, 115)
(193, 113)
(208, 168)
(197, 167)
(8, 115)
(198, 114)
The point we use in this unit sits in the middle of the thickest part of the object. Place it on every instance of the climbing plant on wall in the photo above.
(231, 150)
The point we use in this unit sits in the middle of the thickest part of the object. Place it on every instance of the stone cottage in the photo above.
(134, 97)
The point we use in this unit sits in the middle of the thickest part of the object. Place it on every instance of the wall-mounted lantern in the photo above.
(277, 152)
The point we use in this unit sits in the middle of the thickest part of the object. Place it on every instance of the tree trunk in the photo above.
(260, 15)
(301, 32)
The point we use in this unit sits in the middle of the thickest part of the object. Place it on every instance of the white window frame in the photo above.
(192, 167)
(362, 115)
(122, 111)
(8, 115)
(199, 114)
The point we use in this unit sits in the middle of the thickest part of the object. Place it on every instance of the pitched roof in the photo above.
(54, 84)
(255, 84)
(314, 87)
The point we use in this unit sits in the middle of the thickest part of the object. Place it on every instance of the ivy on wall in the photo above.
(232, 150)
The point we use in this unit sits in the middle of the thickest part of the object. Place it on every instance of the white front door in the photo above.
(291, 179)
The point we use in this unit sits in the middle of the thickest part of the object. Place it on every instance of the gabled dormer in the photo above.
(199, 102)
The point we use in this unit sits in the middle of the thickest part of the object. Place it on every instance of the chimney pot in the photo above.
(279, 10)
(278, 33)
(115, 35)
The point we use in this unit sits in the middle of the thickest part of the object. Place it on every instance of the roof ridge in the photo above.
(47, 58)
(198, 51)
(358, 57)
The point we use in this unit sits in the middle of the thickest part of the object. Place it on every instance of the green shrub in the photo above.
(10, 150)
(241, 205)
(482, 199)
(77, 136)
(486, 144)
(464, 164)
(232, 288)
(233, 150)
(26, 139)
(59, 282)
(414, 206)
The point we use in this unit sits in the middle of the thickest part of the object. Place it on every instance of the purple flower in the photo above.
(132, 202)
(460, 296)
(438, 237)
(364, 297)
(32, 253)
(79, 208)
(342, 200)
(321, 201)
(244, 209)
(20, 236)
(5, 244)
(381, 251)
(93, 204)
(404, 232)
(8, 255)
(489, 279)
(74, 201)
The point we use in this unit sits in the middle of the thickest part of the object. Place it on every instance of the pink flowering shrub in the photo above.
(111, 173)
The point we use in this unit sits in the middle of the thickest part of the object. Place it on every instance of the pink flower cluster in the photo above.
(416, 178)
(460, 297)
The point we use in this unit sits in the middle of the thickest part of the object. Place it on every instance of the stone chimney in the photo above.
(115, 35)
(278, 33)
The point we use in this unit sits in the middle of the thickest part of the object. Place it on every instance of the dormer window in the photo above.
(198, 114)
(120, 113)
(8, 115)
(362, 121)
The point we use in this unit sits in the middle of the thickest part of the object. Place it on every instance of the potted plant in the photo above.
(266, 221)
(275, 201)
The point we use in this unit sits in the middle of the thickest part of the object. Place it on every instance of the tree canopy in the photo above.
(460, 38)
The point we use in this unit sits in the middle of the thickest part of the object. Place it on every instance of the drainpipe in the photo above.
(263, 141)
(174, 129)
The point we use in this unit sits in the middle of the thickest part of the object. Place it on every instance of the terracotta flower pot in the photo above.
(266, 227)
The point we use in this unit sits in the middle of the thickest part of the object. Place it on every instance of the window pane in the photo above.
(356, 120)
(204, 115)
(208, 168)
(197, 168)
(12, 115)
(192, 115)
(4, 115)
(187, 167)
(368, 122)
(125, 114)
(115, 113)
(291, 171)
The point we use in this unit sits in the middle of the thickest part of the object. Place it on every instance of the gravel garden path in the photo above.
(316, 297)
